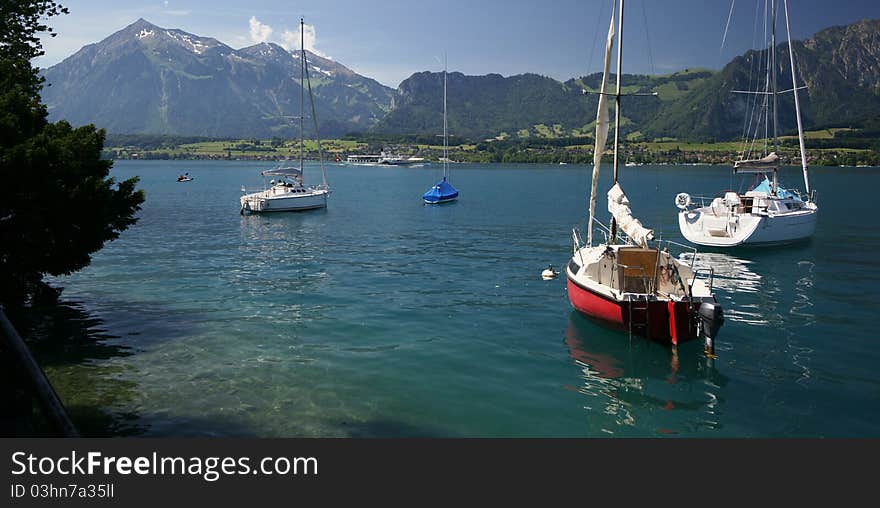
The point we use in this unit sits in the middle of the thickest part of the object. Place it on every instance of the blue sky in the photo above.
(390, 39)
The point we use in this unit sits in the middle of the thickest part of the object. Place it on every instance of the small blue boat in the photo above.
(443, 192)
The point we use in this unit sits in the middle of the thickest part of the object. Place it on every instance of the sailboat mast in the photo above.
(617, 94)
(445, 125)
(302, 93)
(775, 90)
(617, 107)
(797, 104)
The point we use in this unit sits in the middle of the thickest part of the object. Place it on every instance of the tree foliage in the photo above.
(58, 204)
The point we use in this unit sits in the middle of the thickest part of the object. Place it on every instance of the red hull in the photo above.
(665, 321)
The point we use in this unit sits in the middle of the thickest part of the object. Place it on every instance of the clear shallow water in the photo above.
(384, 317)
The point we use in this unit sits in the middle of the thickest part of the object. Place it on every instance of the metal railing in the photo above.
(710, 277)
(691, 250)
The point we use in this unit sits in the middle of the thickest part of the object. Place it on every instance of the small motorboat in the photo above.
(184, 178)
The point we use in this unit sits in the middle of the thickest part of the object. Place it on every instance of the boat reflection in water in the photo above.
(736, 283)
(643, 388)
(780, 307)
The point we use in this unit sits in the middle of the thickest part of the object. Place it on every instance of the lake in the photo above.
(381, 316)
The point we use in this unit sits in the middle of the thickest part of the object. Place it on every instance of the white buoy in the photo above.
(549, 273)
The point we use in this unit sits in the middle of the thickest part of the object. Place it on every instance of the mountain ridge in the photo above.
(152, 80)
(148, 79)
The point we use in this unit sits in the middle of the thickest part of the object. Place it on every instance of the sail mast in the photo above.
(445, 135)
(302, 93)
(617, 108)
(601, 126)
(775, 89)
(797, 104)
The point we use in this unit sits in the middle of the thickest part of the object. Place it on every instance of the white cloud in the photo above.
(259, 31)
(291, 40)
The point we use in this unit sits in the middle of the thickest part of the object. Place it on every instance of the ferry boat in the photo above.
(369, 160)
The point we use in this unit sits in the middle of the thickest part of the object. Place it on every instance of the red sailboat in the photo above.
(631, 281)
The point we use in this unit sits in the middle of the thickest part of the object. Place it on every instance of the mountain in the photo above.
(840, 66)
(152, 80)
(478, 106)
(525, 105)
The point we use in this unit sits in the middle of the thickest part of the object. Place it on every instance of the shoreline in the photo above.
(456, 163)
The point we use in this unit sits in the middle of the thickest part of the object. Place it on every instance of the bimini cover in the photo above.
(765, 186)
(289, 171)
(618, 205)
(768, 163)
(443, 191)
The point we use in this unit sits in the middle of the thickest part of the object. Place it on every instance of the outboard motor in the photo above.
(711, 317)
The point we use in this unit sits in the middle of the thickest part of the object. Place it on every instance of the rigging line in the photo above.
(595, 36)
(302, 100)
(727, 26)
(758, 114)
(758, 111)
(648, 39)
(767, 84)
(764, 110)
(315, 120)
(753, 59)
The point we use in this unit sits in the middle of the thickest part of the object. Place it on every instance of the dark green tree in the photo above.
(58, 204)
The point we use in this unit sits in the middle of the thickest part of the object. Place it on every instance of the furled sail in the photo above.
(768, 163)
(602, 123)
(618, 205)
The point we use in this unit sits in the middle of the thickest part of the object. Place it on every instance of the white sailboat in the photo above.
(283, 187)
(443, 191)
(766, 214)
(630, 281)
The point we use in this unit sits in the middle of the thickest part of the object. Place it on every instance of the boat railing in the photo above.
(577, 244)
(602, 228)
(682, 250)
(710, 275)
(597, 226)
(703, 200)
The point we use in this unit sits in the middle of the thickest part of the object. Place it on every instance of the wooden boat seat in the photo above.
(638, 269)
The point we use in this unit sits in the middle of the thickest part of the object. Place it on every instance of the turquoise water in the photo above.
(381, 316)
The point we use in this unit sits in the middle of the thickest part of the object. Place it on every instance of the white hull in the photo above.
(704, 227)
(284, 200)
(402, 162)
